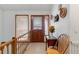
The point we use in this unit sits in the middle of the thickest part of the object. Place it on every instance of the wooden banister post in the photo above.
(14, 45)
(2, 48)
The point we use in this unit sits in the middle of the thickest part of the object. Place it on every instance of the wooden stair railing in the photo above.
(22, 45)
(15, 46)
(6, 45)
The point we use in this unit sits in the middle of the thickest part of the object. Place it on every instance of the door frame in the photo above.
(42, 22)
(37, 16)
(40, 15)
(16, 19)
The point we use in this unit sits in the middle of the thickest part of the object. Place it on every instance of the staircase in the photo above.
(14, 46)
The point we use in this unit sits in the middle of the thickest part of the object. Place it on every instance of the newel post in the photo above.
(14, 45)
(2, 48)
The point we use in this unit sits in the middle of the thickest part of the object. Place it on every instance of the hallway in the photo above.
(36, 48)
(23, 25)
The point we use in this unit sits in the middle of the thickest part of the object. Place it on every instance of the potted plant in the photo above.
(51, 30)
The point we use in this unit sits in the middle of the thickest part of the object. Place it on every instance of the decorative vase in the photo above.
(51, 35)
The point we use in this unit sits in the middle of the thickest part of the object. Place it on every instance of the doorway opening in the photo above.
(39, 27)
(21, 27)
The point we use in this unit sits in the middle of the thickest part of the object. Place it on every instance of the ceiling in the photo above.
(42, 7)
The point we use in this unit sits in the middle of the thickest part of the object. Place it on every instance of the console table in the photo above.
(50, 41)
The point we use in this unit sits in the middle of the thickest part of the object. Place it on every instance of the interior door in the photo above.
(37, 28)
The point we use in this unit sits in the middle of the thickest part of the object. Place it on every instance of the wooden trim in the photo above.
(48, 23)
(35, 16)
(22, 35)
(40, 16)
(6, 43)
(21, 15)
(13, 43)
(43, 20)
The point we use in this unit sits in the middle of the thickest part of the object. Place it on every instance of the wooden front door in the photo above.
(37, 28)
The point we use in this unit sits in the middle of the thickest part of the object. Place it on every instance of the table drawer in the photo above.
(51, 42)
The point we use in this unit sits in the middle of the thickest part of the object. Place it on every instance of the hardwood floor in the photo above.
(36, 48)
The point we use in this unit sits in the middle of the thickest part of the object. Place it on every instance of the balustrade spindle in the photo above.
(7, 48)
(2, 48)
(14, 45)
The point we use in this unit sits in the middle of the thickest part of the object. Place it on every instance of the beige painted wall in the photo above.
(63, 25)
(9, 21)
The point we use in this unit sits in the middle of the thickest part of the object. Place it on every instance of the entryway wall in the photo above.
(63, 25)
(1, 28)
(9, 20)
(74, 18)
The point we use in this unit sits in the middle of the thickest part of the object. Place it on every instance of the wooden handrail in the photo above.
(19, 46)
(13, 43)
(6, 43)
(22, 35)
